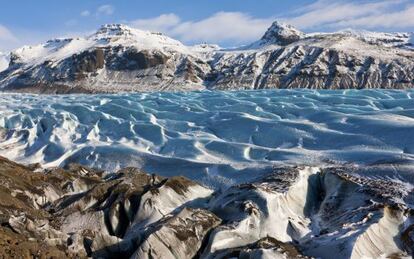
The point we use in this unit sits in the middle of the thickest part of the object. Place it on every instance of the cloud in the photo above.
(323, 15)
(85, 13)
(105, 10)
(6, 34)
(326, 14)
(233, 26)
(221, 27)
(162, 23)
(7, 39)
(398, 20)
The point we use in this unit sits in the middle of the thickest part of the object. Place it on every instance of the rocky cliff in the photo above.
(290, 212)
(119, 58)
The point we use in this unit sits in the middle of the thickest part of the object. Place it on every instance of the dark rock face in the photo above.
(132, 59)
(14, 60)
(88, 62)
(297, 212)
(192, 70)
(26, 229)
(267, 247)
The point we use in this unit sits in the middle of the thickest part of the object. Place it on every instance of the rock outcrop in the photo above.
(281, 34)
(118, 58)
(290, 212)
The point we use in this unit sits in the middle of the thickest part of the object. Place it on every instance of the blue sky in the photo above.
(227, 22)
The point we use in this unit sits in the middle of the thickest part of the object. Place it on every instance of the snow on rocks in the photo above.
(401, 39)
(173, 193)
(251, 210)
(265, 248)
(120, 58)
(179, 236)
(378, 238)
(290, 212)
(281, 34)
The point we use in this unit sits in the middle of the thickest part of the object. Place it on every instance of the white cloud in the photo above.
(85, 13)
(220, 27)
(237, 27)
(162, 23)
(341, 14)
(6, 34)
(398, 20)
(7, 39)
(105, 9)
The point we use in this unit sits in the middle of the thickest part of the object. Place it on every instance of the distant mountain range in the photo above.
(119, 58)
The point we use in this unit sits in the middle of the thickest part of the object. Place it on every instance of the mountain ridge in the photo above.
(120, 58)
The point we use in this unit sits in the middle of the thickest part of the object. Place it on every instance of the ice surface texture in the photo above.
(216, 137)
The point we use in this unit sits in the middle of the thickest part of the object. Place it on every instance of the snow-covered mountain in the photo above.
(120, 58)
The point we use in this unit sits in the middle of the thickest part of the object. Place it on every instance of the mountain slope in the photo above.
(119, 58)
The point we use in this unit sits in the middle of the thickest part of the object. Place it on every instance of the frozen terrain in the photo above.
(289, 212)
(273, 174)
(218, 138)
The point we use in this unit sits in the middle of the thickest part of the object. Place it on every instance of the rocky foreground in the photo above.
(289, 213)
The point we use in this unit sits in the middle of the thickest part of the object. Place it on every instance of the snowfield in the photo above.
(218, 138)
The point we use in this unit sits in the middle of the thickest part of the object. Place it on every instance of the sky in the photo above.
(225, 22)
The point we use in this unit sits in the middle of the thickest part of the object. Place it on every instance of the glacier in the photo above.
(218, 138)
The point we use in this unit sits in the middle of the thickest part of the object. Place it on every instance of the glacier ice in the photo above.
(218, 138)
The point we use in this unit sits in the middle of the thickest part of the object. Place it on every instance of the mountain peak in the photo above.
(282, 34)
(111, 30)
